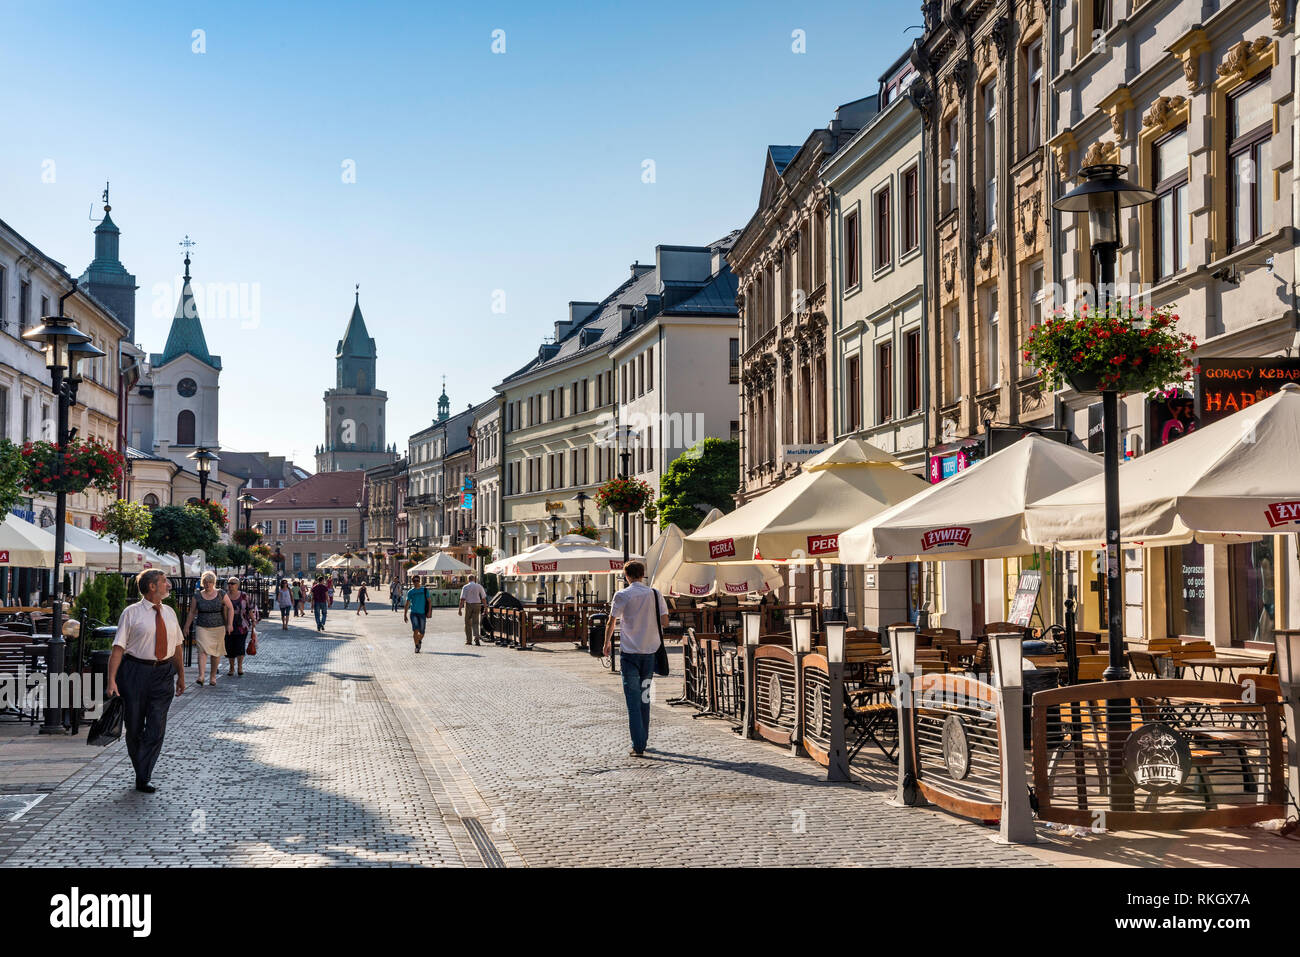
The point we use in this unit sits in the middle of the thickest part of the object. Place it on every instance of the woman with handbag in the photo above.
(242, 626)
(210, 612)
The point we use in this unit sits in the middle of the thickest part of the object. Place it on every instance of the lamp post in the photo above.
(203, 459)
(625, 435)
(58, 334)
(1102, 195)
(582, 498)
(1288, 672)
(837, 765)
(482, 540)
(902, 650)
(751, 623)
(248, 501)
(1016, 825)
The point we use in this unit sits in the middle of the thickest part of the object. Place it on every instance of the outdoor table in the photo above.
(1220, 664)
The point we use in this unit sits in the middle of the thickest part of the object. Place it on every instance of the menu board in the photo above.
(1026, 597)
(1225, 386)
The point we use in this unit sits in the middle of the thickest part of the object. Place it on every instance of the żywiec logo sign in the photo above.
(4, 558)
(726, 548)
(1283, 513)
(545, 566)
(944, 537)
(823, 544)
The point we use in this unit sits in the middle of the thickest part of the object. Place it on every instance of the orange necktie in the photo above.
(159, 634)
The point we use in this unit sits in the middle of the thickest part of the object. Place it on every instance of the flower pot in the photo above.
(1084, 382)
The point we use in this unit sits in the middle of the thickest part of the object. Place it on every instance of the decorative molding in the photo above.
(1001, 35)
(1116, 104)
(960, 76)
(949, 270)
(1165, 112)
(988, 407)
(1240, 57)
(1030, 208)
(1062, 145)
(985, 253)
(1031, 397)
(1188, 48)
(1103, 151)
(1278, 9)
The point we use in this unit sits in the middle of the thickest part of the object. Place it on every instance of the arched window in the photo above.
(185, 428)
(362, 384)
(151, 501)
(363, 437)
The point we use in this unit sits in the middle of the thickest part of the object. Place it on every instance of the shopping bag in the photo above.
(107, 728)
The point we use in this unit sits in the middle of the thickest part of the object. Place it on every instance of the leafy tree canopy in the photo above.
(707, 474)
(181, 530)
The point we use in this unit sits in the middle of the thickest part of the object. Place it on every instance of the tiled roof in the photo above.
(718, 298)
(186, 333)
(132, 453)
(322, 490)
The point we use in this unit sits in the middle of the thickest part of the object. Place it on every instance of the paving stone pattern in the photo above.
(348, 749)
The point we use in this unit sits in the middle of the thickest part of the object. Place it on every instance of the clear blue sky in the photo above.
(475, 171)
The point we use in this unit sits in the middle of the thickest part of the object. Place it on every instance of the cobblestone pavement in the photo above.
(348, 749)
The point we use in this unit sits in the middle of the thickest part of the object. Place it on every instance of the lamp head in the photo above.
(1008, 655)
(801, 633)
(1102, 195)
(835, 633)
(902, 646)
(1288, 655)
(78, 352)
(56, 333)
(752, 622)
(203, 459)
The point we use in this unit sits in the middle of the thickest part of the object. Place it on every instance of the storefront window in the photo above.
(1185, 589)
(1250, 583)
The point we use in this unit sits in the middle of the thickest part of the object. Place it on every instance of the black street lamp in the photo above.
(582, 498)
(58, 334)
(482, 540)
(555, 526)
(1103, 194)
(625, 436)
(203, 459)
(248, 501)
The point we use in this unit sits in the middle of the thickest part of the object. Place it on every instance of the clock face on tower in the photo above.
(186, 387)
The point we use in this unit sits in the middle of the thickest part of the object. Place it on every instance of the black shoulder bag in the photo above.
(661, 656)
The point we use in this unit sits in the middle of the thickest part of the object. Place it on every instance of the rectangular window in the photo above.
(329, 527)
(343, 526)
(1169, 172)
(640, 374)
(912, 387)
(911, 209)
(851, 250)
(949, 175)
(1101, 15)
(311, 561)
(991, 365)
(24, 304)
(735, 430)
(3, 292)
(1035, 296)
(1033, 95)
(297, 561)
(733, 360)
(622, 384)
(1250, 126)
(990, 156)
(883, 238)
(650, 369)
(953, 365)
(4, 412)
(45, 307)
(853, 395)
(284, 527)
(884, 382)
(27, 417)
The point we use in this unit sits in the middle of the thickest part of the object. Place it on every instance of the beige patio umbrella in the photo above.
(978, 513)
(331, 562)
(800, 520)
(1236, 477)
(25, 545)
(673, 576)
(567, 555)
(502, 566)
(101, 553)
(440, 563)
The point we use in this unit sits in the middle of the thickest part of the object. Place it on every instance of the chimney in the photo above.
(562, 329)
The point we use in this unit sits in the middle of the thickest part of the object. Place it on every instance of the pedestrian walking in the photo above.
(210, 616)
(642, 614)
(319, 601)
(284, 598)
(472, 599)
(243, 625)
(395, 593)
(347, 593)
(417, 603)
(329, 592)
(361, 599)
(296, 591)
(146, 656)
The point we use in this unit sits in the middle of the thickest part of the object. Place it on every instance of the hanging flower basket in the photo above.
(1120, 350)
(81, 464)
(216, 512)
(624, 495)
(483, 551)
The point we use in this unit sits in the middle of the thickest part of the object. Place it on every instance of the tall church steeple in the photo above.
(354, 408)
(354, 358)
(186, 335)
(106, 278)
(444, 403)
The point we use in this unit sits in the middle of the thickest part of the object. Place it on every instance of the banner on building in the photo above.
(304, 526)
(1225, 386)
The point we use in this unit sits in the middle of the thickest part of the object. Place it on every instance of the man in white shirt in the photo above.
(472, 600)
(642, 614)
(146, 657)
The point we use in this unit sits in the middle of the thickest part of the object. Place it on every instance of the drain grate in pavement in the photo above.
(486, 849)
(14, 806)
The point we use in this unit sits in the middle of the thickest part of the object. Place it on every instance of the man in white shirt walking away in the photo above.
(146, 657)
(472, 600)
(642, 613)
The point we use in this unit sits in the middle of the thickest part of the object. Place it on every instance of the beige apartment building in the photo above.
(313, 519)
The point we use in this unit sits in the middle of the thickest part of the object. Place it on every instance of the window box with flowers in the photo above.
(72, 468)
(1119, 350)
(623, 495)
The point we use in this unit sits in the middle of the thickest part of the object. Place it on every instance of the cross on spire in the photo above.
(106, 206)
(187, 243)
(358, 293)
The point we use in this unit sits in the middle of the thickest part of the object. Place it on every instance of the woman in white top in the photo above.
(284, 598)
(212, 610)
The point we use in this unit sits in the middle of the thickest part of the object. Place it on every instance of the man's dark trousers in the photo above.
(146, 697)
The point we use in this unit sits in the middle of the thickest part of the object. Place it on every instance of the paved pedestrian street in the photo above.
(348, 749)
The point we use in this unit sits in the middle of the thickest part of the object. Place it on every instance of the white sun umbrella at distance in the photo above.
(24, 544)
(101, 552)
(978, 513)
(1235, 478)
(667, 572)
(799, 521)
(440, 563)
(330, 562)
(569, 554)
(502, 566)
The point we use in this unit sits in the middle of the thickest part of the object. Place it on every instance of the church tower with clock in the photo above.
(354, 408)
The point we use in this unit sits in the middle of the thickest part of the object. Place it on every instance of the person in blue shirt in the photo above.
(417, 603)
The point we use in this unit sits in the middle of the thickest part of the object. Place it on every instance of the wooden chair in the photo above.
(870, 715)
(1091, 667)
(1162, 646)
(1143, 664)
(13, 663)
(1197, 648)
(933, 633)
(1003, 628)
(962, 653)
(929, 654)
(1092, 636)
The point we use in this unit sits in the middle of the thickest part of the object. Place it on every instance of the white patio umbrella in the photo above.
(671, 575)
(1236, 477)
(800, 520)
(330, 562)
(25, 545)
(440, 563)
(569, 554)
(101, 553)
(503, 565)
(978, 513)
